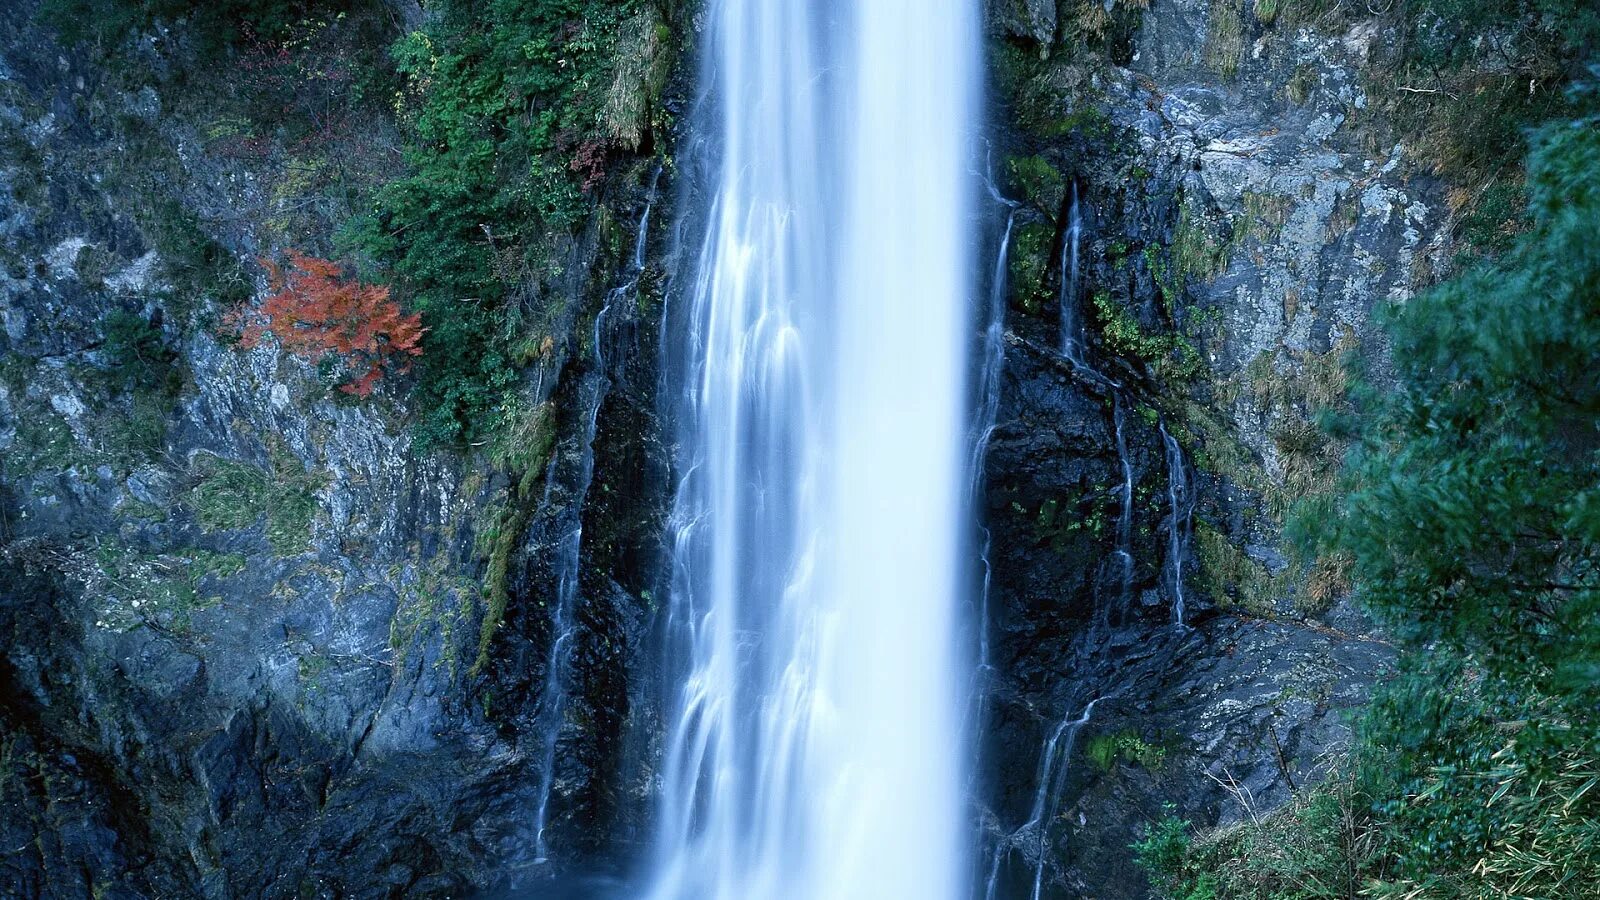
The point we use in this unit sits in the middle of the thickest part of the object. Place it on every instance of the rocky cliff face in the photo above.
(1241, 217)
(239, 611)
(242, 615)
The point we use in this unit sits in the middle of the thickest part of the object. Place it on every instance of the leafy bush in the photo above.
(1163, 852)
(136, 354)
(1472, 516)
(215, 25)
(1470, 511)
(1105, 751)
(233, 495)
(505, 107)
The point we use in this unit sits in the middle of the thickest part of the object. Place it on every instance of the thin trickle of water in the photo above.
(1179, 521)
(1072, 336)
(814, 749)
(1124, 551)
(592, 391)
(569, 545)
(992, 883)
(1071, 327)
(993, 361)
(1033, 836)
(1053, 769)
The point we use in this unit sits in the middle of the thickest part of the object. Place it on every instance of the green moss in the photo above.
(643, 62)
(1030, 261)
(1059, 523)
(1293, 389)
(1106, 30)
(1263, 217)
(1171, 358)
(164, 588)
(525, 460)
(312, 666)
(193, 263)
(501, 541)
(44, 443)
(433, 601)
(1037, 181)
(138, 509)
(1198, 251)
(1106, 751)
(230, 496)
(1225, 37)
(139, 435)
(204, 564)
(94, 265)
(1052, 98)
(1328, 15)
(1301, 84)
(1230, 576)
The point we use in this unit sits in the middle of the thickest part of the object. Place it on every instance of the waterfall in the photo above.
(1181, 500)
(592, 390)
(1071, 328)
(814, 749)
(1033, 836)
(1053, 769)
(1072, 339)
(1124, 552)
(988, 408)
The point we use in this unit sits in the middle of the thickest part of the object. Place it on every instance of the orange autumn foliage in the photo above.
(315, 311)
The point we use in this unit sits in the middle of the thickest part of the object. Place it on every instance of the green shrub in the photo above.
(1105, 751)
(214, 25)
(1323, 846)
(1469, 514)
(1035, 179)
(506, 114)
(230, 496)
(135, 353)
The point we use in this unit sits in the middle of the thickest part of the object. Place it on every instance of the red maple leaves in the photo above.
(316, 312)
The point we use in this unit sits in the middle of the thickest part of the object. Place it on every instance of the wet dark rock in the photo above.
(1031, 20)
(283, 708)
(1292, 226)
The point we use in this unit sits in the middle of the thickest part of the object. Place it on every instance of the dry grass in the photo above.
(1225, 38)
(641, 70)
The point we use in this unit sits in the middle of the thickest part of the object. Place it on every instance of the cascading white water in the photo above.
(1052, 778)
(983, 425)
(815, 749)
(1181, 502)
(568, 543)
(1033, 836)
(1124, 551)
(1071, 337)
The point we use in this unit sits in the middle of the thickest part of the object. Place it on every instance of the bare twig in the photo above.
(1241, 794)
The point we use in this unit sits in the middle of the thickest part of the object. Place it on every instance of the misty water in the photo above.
(815, 746)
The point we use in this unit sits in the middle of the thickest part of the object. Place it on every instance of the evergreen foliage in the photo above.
(1472, 514)
(1470, 508)
(215, 25)
(504, 107)
(135, 353)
